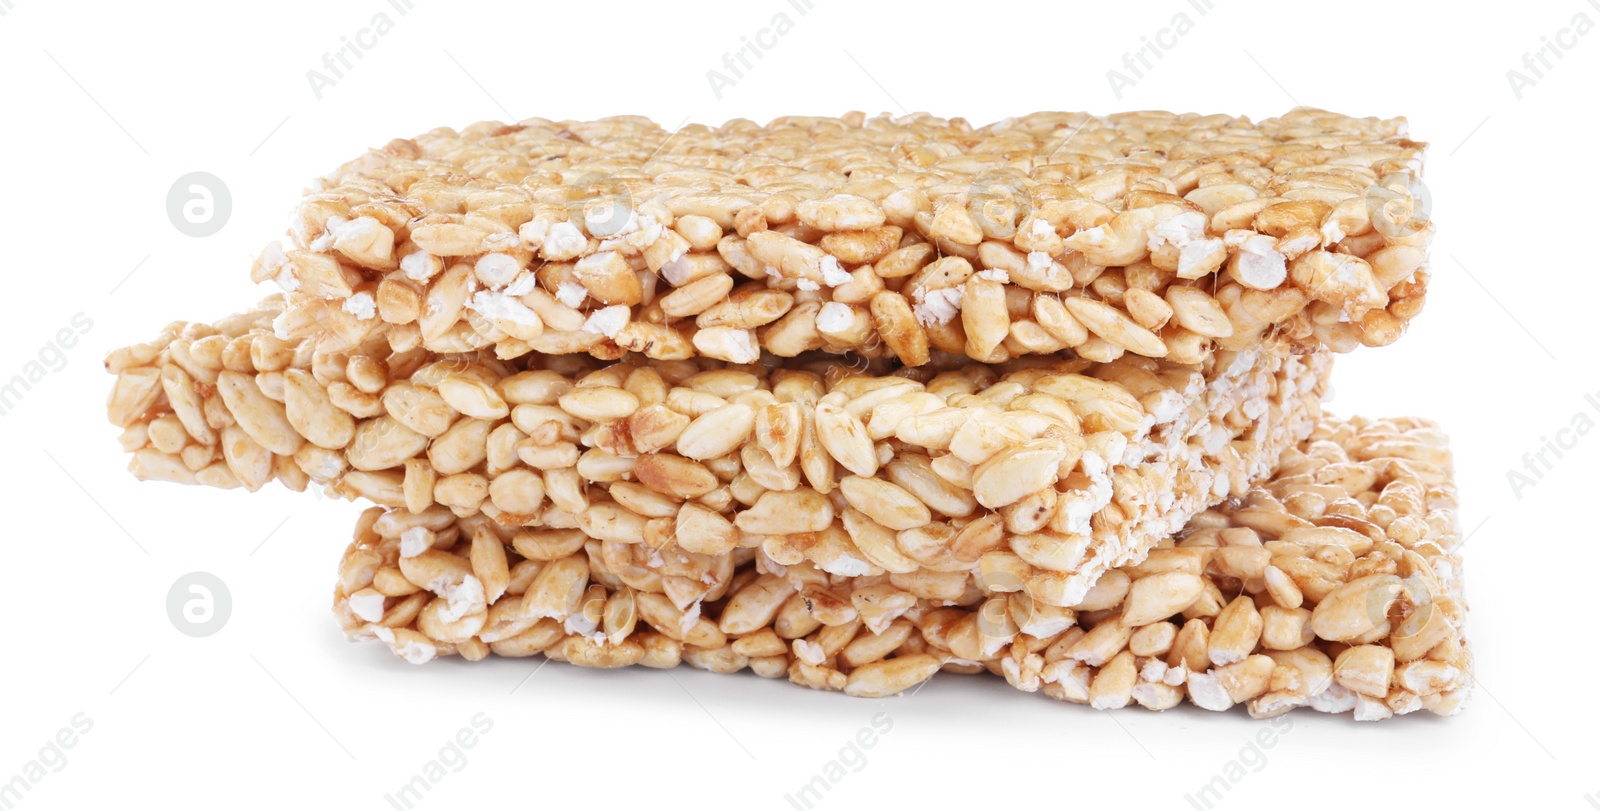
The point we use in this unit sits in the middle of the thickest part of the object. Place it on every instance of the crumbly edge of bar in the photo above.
(1333, 586)
(1241, 421)
(1154, 234)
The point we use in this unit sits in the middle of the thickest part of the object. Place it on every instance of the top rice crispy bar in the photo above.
(1149, 233)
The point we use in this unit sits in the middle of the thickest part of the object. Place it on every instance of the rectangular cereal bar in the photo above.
(1042, 473)
(1334, 586)
(1148, 233)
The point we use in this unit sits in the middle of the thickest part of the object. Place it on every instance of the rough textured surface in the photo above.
(1148, 233)
(1333, 586)
(1049, 470)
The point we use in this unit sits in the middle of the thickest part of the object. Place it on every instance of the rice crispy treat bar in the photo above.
(1333, 586)
(1148, 233)
(1041, 474)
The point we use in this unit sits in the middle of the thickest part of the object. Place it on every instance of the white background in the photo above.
(106, 104)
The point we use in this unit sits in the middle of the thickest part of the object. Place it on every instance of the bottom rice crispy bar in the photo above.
(1333, 585)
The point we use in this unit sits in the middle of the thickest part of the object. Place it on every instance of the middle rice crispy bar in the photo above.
(1334, 585)
(1041, 474)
